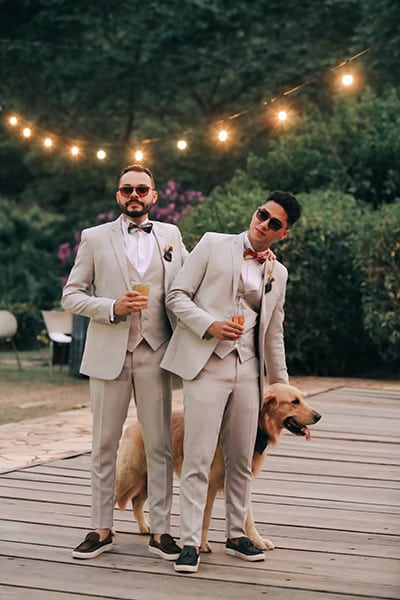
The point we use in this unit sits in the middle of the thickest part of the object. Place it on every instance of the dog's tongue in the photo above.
(307, 433)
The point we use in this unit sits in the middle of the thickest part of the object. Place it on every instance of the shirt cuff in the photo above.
(112, 316)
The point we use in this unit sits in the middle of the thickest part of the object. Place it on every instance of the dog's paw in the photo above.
(144, 528)
(263, 544)
(205, 547)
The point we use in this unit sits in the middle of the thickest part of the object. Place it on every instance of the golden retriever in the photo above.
(283, 407)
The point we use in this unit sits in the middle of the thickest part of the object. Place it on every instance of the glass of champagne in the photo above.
(238, 313)
(143, 287)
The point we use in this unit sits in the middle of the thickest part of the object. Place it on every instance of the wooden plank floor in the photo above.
(331, 506)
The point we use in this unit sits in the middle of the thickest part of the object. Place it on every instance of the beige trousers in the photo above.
(110, 402)
(222, 400)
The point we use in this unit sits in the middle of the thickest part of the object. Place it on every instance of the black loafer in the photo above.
(166, 548)
(244, 549)
(92, 547)
(188, 561)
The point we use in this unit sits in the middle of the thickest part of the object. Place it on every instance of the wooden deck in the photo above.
(331, 506)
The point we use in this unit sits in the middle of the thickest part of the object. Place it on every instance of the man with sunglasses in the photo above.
(126, 340)
(222, 363)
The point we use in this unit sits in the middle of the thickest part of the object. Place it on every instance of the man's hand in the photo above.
(130, 302)
(225, 330)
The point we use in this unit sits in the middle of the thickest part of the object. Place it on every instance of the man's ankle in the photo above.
(103, 533)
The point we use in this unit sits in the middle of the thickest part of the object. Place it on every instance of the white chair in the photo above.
(8, 328)
(59, 329)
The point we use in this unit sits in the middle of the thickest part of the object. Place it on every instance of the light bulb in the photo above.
(182, 144)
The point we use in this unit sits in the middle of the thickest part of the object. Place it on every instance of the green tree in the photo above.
(354, 150)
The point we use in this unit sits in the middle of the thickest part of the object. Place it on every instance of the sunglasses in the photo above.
(263, 215)
(127, 190)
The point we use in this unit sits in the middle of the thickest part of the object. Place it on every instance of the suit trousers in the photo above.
(223, 400)
(151, 387)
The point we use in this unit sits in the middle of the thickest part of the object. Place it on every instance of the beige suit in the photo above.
(221, 395)
(100, 275)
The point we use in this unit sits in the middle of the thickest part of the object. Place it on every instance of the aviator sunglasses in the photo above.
(263, 215)
(127, 190)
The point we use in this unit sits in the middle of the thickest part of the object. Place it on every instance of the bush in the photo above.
(324, 331)
(379, 261)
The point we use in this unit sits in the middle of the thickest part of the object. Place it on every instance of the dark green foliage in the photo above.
(355, 150)
(324, 331)
(30, 276)
(379, 261)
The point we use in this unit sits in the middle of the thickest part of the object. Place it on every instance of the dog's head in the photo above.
(284, 407)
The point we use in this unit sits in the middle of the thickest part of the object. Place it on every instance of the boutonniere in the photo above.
(168, 253)
(270, 278)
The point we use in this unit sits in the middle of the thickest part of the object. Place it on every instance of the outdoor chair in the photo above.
(59, 328)
(8, 329)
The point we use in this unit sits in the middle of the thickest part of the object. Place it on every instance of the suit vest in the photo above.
(246, 346)
(150, 324)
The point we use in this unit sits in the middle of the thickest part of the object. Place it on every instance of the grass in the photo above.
(34, 392)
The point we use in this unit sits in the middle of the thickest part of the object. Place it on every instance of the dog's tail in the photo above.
(123, 496)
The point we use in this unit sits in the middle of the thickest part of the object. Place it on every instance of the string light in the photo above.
(282, 116)
(347, 79)
(139, 155)
(182, 145)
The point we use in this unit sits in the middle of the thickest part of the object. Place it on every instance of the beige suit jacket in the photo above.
(204, 291)
(98, 277)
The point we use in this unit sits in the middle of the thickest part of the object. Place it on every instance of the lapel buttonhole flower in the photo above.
(168, 253)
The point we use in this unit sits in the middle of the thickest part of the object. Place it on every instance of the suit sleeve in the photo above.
(180, 298)
(77, 294)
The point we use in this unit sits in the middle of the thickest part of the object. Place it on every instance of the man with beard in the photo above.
(126, 339)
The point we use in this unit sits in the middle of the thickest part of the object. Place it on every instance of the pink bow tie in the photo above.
(249, 253)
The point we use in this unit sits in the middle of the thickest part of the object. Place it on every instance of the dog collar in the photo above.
(261, 441)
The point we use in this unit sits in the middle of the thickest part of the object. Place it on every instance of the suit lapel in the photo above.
(237, 255)
(117, 241)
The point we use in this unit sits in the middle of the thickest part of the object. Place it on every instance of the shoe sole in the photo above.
(164, 555)
(248, 557)
(187, 568)
(93, 554)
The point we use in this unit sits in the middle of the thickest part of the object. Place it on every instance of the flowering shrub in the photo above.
(172, 203)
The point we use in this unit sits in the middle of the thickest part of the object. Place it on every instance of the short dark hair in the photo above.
(139, 169)
(288, 202)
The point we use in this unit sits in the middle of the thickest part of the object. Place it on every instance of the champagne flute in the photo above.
(238, 313)
(238, 316)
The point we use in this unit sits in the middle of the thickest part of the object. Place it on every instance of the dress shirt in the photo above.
(252, 271)
(139, 247)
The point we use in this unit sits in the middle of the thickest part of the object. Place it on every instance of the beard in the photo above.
(134, 213)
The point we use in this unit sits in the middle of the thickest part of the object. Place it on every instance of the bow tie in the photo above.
(249, 253)
(147, 227)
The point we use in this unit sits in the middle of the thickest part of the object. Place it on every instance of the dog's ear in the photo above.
(270, 403)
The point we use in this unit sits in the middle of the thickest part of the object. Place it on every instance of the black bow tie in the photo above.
(147, 227)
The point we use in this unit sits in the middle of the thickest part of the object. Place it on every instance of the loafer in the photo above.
(92, 547)
(167, 548)
(244, 549)
(188, 561)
